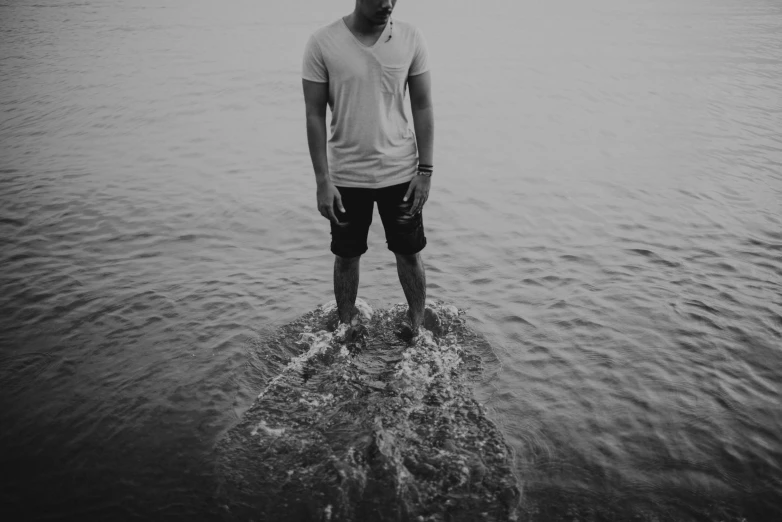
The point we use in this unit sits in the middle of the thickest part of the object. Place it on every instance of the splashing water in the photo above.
(368, 427)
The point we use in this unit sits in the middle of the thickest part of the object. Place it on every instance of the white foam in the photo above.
(318, 342)
(274, 432)
(364, 309)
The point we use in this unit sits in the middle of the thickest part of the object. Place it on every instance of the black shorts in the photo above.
(404, 231)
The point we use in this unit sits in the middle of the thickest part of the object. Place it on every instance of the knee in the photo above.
(346, 263)
(408, 259)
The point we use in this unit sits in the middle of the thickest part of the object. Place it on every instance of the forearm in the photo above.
(423, 121)
(316, 140)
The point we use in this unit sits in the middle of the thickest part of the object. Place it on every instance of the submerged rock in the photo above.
(369, 428)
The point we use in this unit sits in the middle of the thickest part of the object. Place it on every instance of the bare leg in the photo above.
(413, 278)
(346, 285)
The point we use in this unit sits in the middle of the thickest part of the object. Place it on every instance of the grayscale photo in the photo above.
(391, 260)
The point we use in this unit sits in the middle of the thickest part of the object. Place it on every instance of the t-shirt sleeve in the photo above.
(420, 56)
(313, 66)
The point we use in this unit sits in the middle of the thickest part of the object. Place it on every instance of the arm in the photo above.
(423, 115)
(316, 97)
(423, 120)
(315, 100)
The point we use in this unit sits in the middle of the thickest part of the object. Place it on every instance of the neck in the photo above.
(362, 25)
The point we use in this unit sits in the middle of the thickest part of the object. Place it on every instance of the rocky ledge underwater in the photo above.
(362, 425)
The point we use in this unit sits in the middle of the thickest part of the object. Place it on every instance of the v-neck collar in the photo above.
(359, 42)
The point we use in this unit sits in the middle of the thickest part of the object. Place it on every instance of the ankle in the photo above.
(348, 316)
(416, 318)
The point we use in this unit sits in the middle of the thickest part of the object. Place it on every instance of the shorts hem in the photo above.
(408, 251)
(348, 253)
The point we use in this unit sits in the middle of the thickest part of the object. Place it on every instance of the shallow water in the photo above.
(607, 206)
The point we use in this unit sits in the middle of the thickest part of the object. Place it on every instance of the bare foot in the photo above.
(432, 322)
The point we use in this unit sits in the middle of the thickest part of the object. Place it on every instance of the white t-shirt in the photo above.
(372, 144)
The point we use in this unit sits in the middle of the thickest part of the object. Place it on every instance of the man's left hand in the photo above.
(419, 189)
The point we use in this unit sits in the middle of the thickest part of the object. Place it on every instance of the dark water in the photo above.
(607, 207)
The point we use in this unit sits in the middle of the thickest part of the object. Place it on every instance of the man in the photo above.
(361, 66)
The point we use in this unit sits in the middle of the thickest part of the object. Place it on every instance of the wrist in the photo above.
(425, 170)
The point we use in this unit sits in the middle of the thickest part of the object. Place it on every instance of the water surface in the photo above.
(607, 206)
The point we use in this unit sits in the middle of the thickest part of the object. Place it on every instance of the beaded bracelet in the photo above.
(425, 170)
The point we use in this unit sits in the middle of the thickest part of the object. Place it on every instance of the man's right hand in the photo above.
(328, 199)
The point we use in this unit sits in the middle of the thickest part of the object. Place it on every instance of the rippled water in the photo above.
(607, 206)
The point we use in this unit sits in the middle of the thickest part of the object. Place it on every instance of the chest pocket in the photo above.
(394, 78)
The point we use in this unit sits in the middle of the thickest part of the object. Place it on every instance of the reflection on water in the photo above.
(607, 209)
